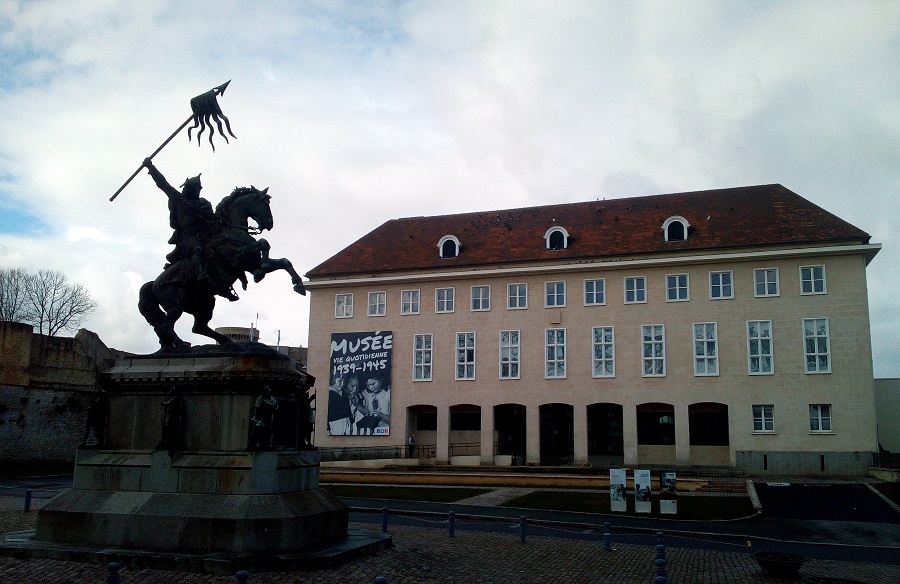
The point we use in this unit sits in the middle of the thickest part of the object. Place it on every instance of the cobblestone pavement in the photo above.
(425, 555)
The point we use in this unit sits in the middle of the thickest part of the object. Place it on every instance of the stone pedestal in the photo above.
(209, 493)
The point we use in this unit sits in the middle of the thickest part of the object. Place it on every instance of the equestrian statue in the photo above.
(213, 250)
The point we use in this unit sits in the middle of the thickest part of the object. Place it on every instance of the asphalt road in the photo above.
(41, 488)
(824, 502)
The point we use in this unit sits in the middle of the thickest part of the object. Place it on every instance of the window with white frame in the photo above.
(595, 292)
(422, 347)
(555, 361)
(653, 341)
(820, 418)
(677, 288)
(509, 354)
(465, 355)
(635, 290)
(706, 349)
(481, 298)
(765, 282)
(604, 356)
(444, 299)
(760, 353)
(812, 280)
(816, 345)
(555, 294)
(556, 238)
(409, 302)
(449, 246)
(721, 285)
(377, 303)
(343, 305)
(764, 418)
(517, 296)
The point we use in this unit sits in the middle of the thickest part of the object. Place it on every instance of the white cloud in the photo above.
(356, 113)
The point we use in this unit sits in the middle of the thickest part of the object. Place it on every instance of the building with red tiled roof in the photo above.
(725, 327)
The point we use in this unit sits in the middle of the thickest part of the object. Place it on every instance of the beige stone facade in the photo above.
(789, 419)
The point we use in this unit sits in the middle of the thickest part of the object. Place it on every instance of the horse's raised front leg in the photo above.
(263, 248)
(271, 264)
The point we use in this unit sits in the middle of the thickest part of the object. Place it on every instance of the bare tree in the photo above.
(55, 304)
(13, 299)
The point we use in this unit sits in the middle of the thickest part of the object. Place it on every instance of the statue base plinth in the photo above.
(266, 501)
(206, 493)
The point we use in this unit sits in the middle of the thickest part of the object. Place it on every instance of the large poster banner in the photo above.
(642, 491)
(668, 504)
(617, 502)
(359, 392)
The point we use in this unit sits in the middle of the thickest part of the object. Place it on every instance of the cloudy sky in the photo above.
(353, 113)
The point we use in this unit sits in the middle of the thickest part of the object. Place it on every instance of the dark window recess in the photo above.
(426, 421)
(557, 240)
(676, 231)
(656, 428)
(709, 428)
(465, 421)
(448, 250)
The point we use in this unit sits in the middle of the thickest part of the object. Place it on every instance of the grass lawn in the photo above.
(889, 490)
(402, 493)
(694, 507)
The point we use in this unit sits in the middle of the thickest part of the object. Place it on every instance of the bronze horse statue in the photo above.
(230, 251)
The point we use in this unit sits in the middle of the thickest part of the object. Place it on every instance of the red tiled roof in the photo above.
(766, 215)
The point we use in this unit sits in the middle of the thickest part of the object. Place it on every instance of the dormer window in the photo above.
(556, 238)
(449, 246)
(675, 228)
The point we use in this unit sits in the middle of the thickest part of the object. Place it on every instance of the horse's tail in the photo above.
(149, 306)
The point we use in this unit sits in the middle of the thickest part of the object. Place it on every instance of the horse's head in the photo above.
(246, 203)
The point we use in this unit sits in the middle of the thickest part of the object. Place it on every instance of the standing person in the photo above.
(411, 446)
(340, 415)
(376, 405)
(262, 421)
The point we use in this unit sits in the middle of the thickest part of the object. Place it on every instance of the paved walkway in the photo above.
(427, 555)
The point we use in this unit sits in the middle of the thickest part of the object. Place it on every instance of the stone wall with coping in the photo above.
(46, 386)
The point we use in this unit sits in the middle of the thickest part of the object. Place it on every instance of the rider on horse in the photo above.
(192, 219)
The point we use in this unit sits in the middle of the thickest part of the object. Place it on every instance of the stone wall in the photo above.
(46, 386)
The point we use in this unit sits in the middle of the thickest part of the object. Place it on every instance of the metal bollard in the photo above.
(242, 577)
(523, 522)
(27, 500)
(380, 580)
(384, 516)
(660, 573)
(451, 523)
(607, 536)
(112, 573)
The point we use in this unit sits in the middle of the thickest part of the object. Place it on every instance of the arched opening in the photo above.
(556, 238)
(675, 228)
(656, 433)
(676, 231)
(606, 444)
(422, 421)
(465, 434)
(557, 434)
(708, 430)
(510, 433)
(449, 246)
